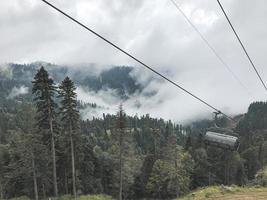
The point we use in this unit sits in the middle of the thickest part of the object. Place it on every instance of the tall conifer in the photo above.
(44, 92)
(70, 119)
(121, 127)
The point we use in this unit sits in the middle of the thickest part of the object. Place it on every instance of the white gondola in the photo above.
(221, 137)
(221, 140)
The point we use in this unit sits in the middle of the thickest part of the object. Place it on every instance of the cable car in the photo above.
(221, 137)
(221, 140)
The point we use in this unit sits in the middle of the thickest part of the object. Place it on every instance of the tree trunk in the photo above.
(73, 166)
(120, 194)
(226, 169)
(176, 176)
(34, 178)
(54, 158)
(44, 192)
(260, 155)
(66, 182)
(1, 191)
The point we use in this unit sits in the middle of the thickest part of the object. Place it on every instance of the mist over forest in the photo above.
(140, 91)
(133, 100)
(71, 131)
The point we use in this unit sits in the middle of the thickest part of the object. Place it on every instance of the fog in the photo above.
(16, 91)
(156, 33)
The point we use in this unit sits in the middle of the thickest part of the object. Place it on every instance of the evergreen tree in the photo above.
(70, 119)
(4, 159)
(44, 92)
(121, 127)
(170, 177)
(202, 173)
(32, 143)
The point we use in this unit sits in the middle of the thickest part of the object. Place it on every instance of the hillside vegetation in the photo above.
(118, 78)
(48, 150)
(85, 197)
(227, 193)
(68, 197)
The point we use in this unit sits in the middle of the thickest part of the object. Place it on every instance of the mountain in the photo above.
(116, 77)
(160, 156)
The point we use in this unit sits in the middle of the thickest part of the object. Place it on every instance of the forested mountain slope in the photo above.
(217, 166)
(35, 136)
(48, 149)
(86, 75)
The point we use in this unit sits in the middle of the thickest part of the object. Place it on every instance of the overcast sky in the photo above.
(156, 33)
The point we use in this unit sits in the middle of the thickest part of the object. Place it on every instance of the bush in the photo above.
(84, 197)
(261, 177)
(64, 197)
(213, 191)
(21, 198)
(95, 197)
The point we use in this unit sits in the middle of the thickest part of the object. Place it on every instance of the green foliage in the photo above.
(21, 198)
(261, 177)
(170, 178)
(226, 192)
(68, 109)
(44, 92)
(217, 166)
(201, 174)
(95, 197)
(64, 197)
(85, 197)
(159, 159)
(70, 121)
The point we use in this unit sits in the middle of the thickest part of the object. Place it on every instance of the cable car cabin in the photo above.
(221, 140)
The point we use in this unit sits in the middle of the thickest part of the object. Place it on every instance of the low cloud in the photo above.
(106, 101)
(158, 35)
(162, 103)
(160, 99)
(16, 91)
(6, 71)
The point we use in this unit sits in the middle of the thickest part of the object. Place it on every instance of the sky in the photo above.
(156, 33)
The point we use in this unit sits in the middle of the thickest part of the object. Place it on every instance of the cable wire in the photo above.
(209, 45)
(243, 47)
(137, 60)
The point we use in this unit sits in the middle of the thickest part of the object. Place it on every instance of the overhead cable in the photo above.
(210, 46)
(243, 47)
(134, 58)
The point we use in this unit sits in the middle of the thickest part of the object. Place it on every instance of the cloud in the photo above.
(6, 71)
(16, 91)
(158, 98)
(106, 101)
(157, 34)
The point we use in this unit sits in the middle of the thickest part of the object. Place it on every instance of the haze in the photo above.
(156, 33)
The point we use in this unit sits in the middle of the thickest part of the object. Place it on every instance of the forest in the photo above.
(48, 150)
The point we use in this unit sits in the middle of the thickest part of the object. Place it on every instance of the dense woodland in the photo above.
(47, 149)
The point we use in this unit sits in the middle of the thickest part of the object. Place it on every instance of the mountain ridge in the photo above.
(117, 78)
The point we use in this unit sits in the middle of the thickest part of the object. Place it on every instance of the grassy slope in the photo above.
(88, 197)
(208, 193)
(227, 193)
(66, 197)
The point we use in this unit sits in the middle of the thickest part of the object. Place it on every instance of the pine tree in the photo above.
(70, 119)
(121, 128)
(28, 154)
(44, 91)
(31, 144)
(4, 157)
